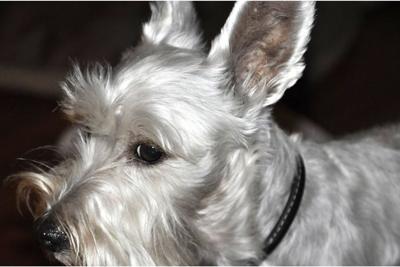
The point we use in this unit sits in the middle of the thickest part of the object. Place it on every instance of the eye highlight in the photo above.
(148, 153)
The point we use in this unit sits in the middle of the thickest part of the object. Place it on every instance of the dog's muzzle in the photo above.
(50, 236)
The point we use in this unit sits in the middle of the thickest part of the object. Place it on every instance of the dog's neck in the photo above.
(276, 177)
(246, 206)
(289, 213)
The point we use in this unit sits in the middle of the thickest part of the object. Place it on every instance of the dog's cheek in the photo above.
(179, 182)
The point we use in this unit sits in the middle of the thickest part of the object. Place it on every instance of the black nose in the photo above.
(50, 236)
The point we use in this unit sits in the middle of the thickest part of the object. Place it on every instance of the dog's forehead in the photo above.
(163, 69)
(169, 89)
(156, 91)
(165, 77)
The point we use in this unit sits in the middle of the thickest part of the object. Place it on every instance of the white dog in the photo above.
(176, 159)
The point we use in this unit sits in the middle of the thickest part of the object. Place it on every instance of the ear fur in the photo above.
(173, 23)
(264, 43)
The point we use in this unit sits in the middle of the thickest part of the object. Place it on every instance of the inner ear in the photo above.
(263, 40)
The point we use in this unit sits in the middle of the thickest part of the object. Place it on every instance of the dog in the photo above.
(176, 159)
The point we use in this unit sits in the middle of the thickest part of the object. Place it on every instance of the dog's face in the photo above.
(158, 136)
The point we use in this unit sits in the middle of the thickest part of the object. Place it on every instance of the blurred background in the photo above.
(351, 81)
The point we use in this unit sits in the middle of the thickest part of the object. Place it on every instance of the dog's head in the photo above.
(165, 142)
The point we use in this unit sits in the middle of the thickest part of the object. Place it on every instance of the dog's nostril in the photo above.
(51, 237)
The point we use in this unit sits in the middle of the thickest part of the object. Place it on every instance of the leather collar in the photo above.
(289, 212)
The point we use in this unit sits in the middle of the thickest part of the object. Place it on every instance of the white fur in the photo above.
(227, 170)
(222, 42)
(172, 23)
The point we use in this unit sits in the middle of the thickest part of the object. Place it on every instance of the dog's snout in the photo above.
(50, 236)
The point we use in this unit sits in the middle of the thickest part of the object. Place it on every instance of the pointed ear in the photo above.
(173, 23)
(264, 42)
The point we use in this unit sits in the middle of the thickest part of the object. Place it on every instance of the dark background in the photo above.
(351, 82)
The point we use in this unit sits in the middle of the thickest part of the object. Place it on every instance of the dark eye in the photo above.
(148, 153)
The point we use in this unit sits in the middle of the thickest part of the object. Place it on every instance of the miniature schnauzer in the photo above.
(176, 160)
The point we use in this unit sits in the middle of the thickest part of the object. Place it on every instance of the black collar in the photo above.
(290, 210)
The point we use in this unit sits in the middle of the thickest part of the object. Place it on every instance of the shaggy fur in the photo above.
(227, 167)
